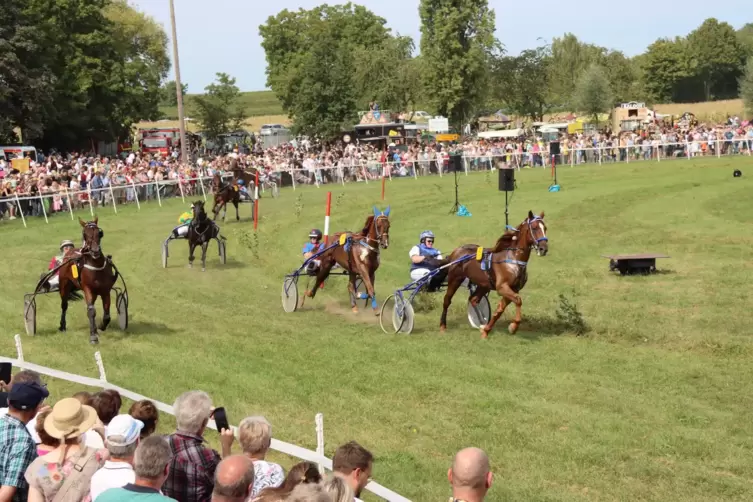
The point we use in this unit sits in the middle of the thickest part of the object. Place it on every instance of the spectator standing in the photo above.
(300, 474)
(354, 463)
(151, 466)
(65, 473)
(122, 439)
(192, 468)
(470, 476)
(233, 479)
(309, 493)
(338, 489)
(147, 413)
(17, 448)
(47, 443)
(24, 376)
(255, 437)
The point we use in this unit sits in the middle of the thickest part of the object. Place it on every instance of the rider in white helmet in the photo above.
(65, 247)
(425, 258)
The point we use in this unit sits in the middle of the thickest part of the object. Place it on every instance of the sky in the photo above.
(223, 35)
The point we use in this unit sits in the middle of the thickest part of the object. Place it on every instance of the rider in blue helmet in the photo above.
(425, 258)
(242, 189)
(313, 246)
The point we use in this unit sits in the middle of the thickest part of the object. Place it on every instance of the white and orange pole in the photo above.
(256, 201)
(326, 218)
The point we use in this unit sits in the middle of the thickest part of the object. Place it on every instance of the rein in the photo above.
(378, 238)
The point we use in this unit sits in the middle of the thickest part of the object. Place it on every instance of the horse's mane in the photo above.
(506, 241)
(367, 225)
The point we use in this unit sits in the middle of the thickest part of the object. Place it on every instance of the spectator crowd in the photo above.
(83, 449)
(58, 183)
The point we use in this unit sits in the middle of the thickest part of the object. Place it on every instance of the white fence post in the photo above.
(19, 348)
(319, 419)
(159, 199)
(135, 194)
(44, 210)
(20, 210)
(100, 366)
(112, 196)
(89, 188)
(69, 202)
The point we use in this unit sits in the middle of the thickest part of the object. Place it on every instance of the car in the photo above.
(273, 129)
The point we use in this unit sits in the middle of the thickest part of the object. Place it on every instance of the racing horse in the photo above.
(502, 268)
(201, 230)
(89, 270)
(359, 256)
(224, 193)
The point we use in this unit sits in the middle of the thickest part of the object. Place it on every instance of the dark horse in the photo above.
(201, 230)
(505, 270)
(92, 272)
(359, 256)
(224, 193)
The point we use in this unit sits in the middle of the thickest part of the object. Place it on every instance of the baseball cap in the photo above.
(26, 395)
(126, 427)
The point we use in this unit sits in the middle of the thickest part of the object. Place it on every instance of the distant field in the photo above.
(252, 123)
(257, 103)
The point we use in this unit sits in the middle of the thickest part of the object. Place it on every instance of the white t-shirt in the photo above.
(111, 475)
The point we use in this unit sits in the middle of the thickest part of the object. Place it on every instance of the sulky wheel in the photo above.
(121, 304)
(480, 314)
(30, 316)
(290, 294)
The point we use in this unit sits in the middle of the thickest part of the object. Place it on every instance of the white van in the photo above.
(18, 152)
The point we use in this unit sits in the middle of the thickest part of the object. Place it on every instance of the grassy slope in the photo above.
(651, 405)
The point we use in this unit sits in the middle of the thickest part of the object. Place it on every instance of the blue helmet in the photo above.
(240, 182)
(426, 234)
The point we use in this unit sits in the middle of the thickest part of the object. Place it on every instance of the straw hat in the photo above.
(69, 419)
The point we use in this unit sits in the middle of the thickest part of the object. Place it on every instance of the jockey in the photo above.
(243, 190)
(425, 258)
(313, 246)
(56, 261)
(181, 231)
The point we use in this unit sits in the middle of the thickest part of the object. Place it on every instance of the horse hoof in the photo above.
(203, 270)
(442, 329)
(355, 310)
(94, 340)
(484, 334)
(512, 328)
(190, 265)
(62, 329)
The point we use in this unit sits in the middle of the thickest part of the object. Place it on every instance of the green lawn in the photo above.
(256, 103)
(652, 403)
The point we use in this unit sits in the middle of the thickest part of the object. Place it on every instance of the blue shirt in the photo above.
(312, 248)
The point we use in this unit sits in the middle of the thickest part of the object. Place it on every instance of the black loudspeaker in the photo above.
(506, 180)
(456, 163)
(737, 173)
(554, 148)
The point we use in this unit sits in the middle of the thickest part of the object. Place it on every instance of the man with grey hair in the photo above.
(470, 475)
(233, 479)
(191, 476)
(151, 466)
(122, 439)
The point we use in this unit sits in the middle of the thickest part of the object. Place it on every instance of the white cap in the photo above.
(126, 427)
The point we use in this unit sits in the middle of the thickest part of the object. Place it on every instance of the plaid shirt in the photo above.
(17, 451)
(191, 476)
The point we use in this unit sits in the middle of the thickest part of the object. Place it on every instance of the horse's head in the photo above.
(533, 234)
(92, 235)
(382, 226)
(199, 214)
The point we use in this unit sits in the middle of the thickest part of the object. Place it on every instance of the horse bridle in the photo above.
(543, 237)
(379, 234)
(84, 247)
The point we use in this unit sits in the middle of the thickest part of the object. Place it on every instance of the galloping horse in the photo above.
(359, 256)
(200, 231)
(505, 270)
(93, 273)
(224, 193)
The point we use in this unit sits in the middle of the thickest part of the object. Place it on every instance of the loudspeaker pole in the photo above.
(456, 206)
(507, 220)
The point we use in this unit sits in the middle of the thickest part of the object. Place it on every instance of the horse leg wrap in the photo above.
(374, 304)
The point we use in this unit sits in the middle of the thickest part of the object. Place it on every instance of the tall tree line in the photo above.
(328, 62)
(73, 72)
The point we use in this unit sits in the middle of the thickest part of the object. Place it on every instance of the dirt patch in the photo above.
(365, 315)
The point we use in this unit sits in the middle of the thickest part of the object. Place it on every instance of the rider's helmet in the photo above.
(426, 234)
(65, 244)
(240, 182)
(315, 233)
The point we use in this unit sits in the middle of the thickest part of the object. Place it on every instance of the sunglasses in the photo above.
(430, 241)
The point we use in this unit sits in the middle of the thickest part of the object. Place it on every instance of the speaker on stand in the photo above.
(456, 164)
(554, 151)
(506, 184)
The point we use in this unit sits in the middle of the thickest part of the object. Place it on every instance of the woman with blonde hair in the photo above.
(65, 473)
(255, 437)
(301, 473)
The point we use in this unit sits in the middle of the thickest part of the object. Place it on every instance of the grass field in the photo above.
(651, 404)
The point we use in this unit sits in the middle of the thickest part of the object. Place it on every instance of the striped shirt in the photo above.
(17, 451)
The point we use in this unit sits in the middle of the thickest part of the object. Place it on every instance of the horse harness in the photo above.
(487, 260)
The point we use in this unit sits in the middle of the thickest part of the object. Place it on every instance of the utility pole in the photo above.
(178, 87)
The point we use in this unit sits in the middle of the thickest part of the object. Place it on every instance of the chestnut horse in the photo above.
(91, 272)
(506, 270)
(359, 256)
(224, 193)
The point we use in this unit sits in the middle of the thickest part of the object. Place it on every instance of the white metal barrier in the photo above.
(317, 456)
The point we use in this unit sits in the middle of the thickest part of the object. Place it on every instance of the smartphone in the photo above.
(220, 418)
(5, 371)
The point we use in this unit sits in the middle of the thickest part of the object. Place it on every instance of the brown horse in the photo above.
(201, 230)
(91, 272)
(359, 256)
(505, 270)
(224, 193)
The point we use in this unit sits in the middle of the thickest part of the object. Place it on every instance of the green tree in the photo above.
(745, 37)
(746, 87)
(592, 92)
(293, 40)
(219, 110)
(717, 58)
(570, 58)
(665, 66)
(168, 95)
(457, 40)
(521, 82)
